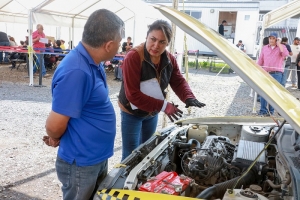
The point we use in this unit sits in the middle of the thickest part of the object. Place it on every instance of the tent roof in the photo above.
(62, 11)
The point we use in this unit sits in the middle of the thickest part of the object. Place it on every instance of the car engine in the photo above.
(198, 161)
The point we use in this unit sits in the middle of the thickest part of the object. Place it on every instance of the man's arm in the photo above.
(56, 125)
(260, 61)
(35, 37)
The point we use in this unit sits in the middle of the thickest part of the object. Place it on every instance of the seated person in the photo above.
(57, 49)
(126, 46)
(48, 58)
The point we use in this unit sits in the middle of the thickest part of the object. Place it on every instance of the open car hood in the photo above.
(258, 79)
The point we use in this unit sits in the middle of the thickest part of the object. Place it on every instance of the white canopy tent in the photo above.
(69, 13)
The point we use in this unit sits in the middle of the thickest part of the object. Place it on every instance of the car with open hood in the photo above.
(217, 157)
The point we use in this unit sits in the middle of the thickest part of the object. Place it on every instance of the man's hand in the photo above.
(173, 112)
(51, 141)
(193, 102)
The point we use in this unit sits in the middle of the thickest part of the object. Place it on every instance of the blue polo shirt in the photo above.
(79, 90)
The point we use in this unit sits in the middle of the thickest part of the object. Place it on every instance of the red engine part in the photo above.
(167, 183)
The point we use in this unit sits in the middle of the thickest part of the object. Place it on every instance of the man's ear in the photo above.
(108, 45)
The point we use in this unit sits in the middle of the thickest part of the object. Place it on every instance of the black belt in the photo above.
(275, 72)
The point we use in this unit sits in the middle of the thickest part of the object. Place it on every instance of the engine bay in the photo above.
(206, 162)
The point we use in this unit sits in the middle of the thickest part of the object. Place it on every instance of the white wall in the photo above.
(246, 29)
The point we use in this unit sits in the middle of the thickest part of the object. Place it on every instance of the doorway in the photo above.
(229, 29)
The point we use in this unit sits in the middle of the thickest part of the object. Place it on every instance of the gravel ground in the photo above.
(27, 165)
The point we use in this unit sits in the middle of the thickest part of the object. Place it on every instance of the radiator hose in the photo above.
(218, 190)
(188, 144)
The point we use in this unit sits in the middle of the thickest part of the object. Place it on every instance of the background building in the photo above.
(243, 20)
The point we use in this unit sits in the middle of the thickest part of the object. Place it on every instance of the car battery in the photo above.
(167, 183)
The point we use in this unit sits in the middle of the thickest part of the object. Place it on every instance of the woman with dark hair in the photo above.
(148, 69)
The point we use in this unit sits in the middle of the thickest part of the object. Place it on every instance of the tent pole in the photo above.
(30, 48)
(72, 39)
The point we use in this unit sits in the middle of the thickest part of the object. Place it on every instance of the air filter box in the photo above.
(246, 152)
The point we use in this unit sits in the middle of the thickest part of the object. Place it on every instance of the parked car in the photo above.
(217, 157)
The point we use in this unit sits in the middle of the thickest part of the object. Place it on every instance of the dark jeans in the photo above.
(135, 131)
(285, 75)
(80, 183)
(263, 103)
(118, 72)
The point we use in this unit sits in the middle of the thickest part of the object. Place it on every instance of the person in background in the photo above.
(49, 59)
(271, 60)
(12, 42)
(148, 69)
(4, 41)
(295, 49)
(49, 44)
(241, 46)
(221, 27)
(26, 40)
(62, 46)
(287, 61)
(57, 49)
(118, 71)
(126, 46)
(82, 121)
(39, 46)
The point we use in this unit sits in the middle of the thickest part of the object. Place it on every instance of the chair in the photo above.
(17, 59)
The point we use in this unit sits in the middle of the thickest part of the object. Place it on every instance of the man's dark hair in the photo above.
(224, 21)
(284, 39)
(129, 38)
(162, 25)
(266, 41)
(102, 26)
(58, 43)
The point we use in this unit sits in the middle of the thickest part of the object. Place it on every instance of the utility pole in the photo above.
(172, 51)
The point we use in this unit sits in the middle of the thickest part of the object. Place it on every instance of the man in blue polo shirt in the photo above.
(82, 121)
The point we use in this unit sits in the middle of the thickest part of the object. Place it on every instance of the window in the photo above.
(195, 14)
(247, 17)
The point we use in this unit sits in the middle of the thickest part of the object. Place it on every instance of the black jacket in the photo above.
(149, 72)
